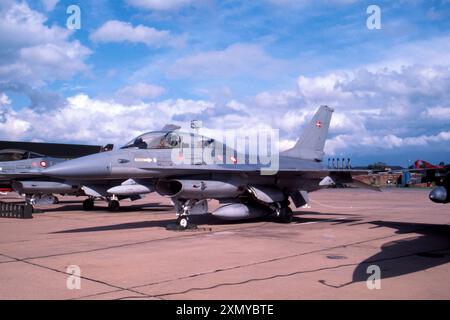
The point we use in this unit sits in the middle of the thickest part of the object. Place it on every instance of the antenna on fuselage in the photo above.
(196, 125)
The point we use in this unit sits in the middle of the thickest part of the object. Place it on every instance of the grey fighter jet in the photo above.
(157, 161)
(20, 171)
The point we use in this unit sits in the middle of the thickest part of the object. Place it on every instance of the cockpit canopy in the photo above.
(168, 140)
(15, 155)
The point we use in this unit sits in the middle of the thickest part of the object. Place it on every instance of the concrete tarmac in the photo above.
(328, 252)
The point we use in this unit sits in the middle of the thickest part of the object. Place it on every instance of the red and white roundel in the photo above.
(43, 163)
(318, 124)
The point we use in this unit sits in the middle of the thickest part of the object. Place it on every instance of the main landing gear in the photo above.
(88, 204)
(113, 204)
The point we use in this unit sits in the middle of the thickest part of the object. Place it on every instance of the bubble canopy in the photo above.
(14, 155)
(167, 140)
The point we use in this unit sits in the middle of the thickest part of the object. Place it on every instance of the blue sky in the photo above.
(137, 64)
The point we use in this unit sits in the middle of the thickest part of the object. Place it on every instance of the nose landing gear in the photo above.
(183, 208)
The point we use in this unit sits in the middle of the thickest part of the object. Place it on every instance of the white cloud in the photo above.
(382, 109)
(237, 59)
(33, 53)
(95, 121)
(10, 124)
(49, 5)
(161, 5)
(365, 117)
(119, 31)
(4, 100)
(302, 3)
(438, 113)
(138, 93)
(433, 51)
(386, 142)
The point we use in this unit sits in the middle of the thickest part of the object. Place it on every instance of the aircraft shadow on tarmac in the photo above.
(203, 220)
(121, 226)
(76, 207)
(428, 246)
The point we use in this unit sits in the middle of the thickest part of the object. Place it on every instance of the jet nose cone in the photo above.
(97, 165)
(439, 195)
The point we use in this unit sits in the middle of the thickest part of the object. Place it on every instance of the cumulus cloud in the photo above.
(384, 142)
(49, 5)
(32, 52)
(236, 59)
(385, 108)
(365, 103)
(381, 109)
(437, 113)
(138, 93)
(40, 99)
(96, 121)
(303, 3)
(11, 125)
(433, 51)
(161, 5)
(119, 31)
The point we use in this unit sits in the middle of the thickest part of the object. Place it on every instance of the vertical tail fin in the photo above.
(312, 141)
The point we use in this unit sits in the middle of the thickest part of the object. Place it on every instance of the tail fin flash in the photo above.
(312, 141)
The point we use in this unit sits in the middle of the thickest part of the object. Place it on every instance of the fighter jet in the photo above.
(440, 175)
(21, 171)
(157, 161)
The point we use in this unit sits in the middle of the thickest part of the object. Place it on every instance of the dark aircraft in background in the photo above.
(21, 171)
(245, 190)
(440, 175)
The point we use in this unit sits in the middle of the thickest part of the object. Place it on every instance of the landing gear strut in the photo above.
(183, 217)
(183, 211)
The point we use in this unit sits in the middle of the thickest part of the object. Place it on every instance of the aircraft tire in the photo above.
(286, 215)
(113, 205)
(88, 204)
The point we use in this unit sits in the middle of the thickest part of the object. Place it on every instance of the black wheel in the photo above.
(113, 205)
(286, 215)
(88, 204)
